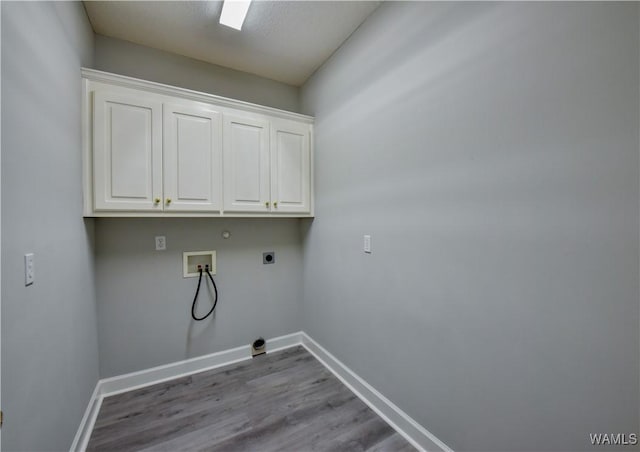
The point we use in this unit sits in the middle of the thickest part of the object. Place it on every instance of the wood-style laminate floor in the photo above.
(283, 401)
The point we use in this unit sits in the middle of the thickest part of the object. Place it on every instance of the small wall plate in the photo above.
(269, 257)
(191, 260)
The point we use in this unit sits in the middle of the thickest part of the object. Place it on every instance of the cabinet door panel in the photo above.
(290, 167)
(246, 165)
(127, 152)
(192, 158)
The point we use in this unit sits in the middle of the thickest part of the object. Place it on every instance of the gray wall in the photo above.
(145, 303)
(126, 58)
(491, 150)
(49, 340)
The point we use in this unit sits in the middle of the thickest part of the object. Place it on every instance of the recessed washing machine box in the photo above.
(191, 260)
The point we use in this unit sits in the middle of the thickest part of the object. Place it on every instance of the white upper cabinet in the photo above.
(127, 151)
(290, 167)
(192, 159)
(246, 165)
(156, 150)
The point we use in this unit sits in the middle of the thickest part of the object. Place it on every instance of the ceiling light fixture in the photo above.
(234, 12)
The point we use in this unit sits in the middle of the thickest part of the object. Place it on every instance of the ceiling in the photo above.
(280, 40)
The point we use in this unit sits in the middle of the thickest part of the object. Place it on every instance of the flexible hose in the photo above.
(195, 298)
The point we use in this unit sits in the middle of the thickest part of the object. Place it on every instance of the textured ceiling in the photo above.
(281, 40)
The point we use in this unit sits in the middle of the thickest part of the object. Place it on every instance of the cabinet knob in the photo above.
(168, 200)
(266, 203)
(275, 204)
(156, 201)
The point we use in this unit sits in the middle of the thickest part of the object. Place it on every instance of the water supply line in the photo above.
(195, 298)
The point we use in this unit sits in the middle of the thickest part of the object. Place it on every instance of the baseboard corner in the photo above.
(81, 440)
(404, 424)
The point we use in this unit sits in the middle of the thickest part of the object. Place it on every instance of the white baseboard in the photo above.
(398, 419)
(154, 375)
(88, 421)
(136, 380)
(417, 435)
(280, 343)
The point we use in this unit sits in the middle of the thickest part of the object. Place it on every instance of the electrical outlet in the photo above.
(269, 257)
(29, 269)
(161, 243)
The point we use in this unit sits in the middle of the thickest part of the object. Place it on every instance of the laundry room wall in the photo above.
(134, 60)
(144, 303)
(49, 339)
(491, 151)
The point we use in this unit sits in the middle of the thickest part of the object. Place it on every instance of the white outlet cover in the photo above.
(161, 243)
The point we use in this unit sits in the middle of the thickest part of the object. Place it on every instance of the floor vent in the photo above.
(258, 347)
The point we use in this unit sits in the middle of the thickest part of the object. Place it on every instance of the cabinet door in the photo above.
(127, 152)
(246, 165)
(192, 159)
(290, 167)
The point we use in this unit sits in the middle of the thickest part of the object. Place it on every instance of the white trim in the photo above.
(417, 435)
(135, 380)
(160, 88)
(165, 214)
(86, 115)
(0, 207)
(283, 342)
(83, 434)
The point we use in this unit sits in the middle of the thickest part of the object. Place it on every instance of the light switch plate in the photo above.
(367, 244)
(29, 269)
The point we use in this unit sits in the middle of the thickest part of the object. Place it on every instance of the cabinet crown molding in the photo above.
(160, 88)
